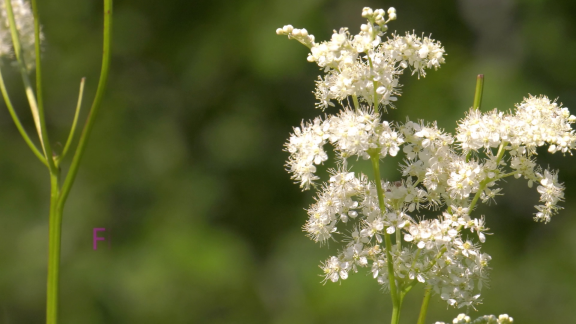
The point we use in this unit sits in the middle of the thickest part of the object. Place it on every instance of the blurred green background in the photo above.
(185, 164)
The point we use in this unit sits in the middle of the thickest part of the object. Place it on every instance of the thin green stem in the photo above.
(375, 158)
(424, 308)
(478, 92)
(374, 85)
(18, 123)
(73, 128)
(95, 104)
(432, 264)
(38, 59)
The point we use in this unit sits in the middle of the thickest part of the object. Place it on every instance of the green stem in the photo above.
(73, 128)
(356, 103)
(478, 92)
(38, 60)
(17, 122)
(424, 308)
(374, 85)
(375, 158)
(432, 264)
(55, 229)
(95, 104)
(58, 196)
(477, 100)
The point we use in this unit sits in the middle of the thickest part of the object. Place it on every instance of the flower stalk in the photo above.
(437, 172)
(424, 308)
(375, 159)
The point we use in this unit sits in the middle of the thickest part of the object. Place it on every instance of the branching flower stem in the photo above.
(58, 194)
(37, 110)
(375, 159)
(501, 151)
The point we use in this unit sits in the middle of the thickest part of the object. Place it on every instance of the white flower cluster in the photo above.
(364, 66)
(443, 173)
(351, 133)
(486, 319)
(535, 122)
(24, 24)
(438, 252)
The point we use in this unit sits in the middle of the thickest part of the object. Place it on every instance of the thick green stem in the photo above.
(375, 158)
(478, 92)
(356, 103)
(424, 308)
(55, 229)
(477, 100)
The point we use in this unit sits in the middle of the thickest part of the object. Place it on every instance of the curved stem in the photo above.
(74, 122)
(17, 122)
(375, 158)
(95, 104)
(424, 308)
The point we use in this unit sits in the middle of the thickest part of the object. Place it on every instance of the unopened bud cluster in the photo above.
(443, 173)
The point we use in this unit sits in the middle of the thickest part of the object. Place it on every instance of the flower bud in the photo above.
(367, 12)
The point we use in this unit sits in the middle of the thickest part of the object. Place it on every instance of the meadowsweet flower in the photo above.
(536, 121)
(377, 220)
(306, 150)
(419, 53)
(363, 65)
(551, 192)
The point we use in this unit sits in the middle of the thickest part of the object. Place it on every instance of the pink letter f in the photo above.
(96, 238)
